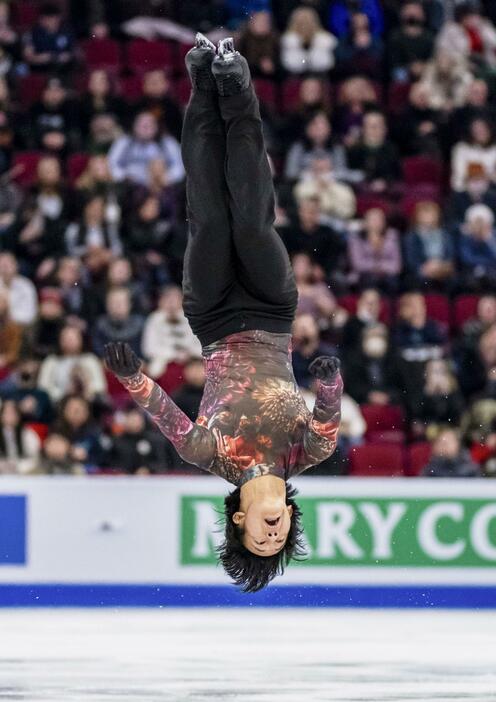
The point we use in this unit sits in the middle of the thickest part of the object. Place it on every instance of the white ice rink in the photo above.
(246, 656)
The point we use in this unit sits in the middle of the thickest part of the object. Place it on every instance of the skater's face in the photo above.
(265, 525)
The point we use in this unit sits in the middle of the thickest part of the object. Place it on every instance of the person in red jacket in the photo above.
(253, 427)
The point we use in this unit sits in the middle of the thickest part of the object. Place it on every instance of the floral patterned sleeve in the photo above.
(194, 443)
(321, 433)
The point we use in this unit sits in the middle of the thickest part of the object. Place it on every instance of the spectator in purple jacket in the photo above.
(374, 252)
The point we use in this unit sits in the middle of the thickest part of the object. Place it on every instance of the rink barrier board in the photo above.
(161, 596)
(112, 541)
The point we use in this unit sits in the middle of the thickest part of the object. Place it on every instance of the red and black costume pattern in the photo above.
(253, 420)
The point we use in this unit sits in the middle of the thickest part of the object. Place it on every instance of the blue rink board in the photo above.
(98, 595)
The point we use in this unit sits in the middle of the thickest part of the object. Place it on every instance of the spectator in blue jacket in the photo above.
(359, 52)
(240, 10)
(477, 248)
(429, 251)
(50, 44)
(342, 11)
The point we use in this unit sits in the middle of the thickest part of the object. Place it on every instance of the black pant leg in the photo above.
(264, 268)
(209, 271)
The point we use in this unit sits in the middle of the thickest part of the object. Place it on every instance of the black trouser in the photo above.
(237, 274)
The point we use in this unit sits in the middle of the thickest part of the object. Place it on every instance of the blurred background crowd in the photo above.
(380, 124)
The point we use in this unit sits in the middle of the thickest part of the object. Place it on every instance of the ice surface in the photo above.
(247, 655)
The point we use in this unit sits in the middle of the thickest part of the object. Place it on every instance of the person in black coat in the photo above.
(307, 234)
(53, 114)
(139, 449)
(442, 402)
(370, 369)
(307, 347)
(448, 459)
(158, 100)
(417, 340)
(367, 315)
(375, 156)
(188, 397)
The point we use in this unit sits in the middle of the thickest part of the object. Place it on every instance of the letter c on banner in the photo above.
(479, 533)
(427, 536)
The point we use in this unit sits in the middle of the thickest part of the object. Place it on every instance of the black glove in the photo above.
(325, 367)
(121, 359)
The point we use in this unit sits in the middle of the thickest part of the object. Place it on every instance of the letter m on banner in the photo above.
(13, 515)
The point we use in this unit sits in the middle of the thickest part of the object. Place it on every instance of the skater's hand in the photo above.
(325, 368)
(121, 359)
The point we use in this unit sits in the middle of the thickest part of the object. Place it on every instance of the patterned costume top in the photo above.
(253, 420)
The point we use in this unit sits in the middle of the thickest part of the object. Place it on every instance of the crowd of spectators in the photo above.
(380, 125)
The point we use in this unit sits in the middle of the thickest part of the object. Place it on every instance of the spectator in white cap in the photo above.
(477, 248)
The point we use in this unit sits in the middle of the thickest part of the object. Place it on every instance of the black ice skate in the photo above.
(230, 69)
(199, 62)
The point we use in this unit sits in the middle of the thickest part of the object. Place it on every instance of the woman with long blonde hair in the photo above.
(306, 47)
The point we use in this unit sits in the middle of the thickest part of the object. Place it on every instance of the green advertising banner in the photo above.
(372, 532)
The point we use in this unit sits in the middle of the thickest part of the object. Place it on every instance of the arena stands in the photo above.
(380, 125)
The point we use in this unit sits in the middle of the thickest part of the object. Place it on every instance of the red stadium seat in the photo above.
(25, 164)
(377, 460)
(30, 89)
(182, 50)
(385, 423)
(131, 88)
(182, 90)
(266, 92)
(397, 99)
(418, 457)
(144, 55)
(102, 53)
(349, 303)
(290, 95)
(379, 91)
(24, 14)
(76, 164)
(422, 169)
(180, 54)
(416, 194)
(117, 392)
(438, 308)
(366, 201)
(173, 377)
(464, 308)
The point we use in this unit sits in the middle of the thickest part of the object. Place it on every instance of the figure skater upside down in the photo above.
(240, 297)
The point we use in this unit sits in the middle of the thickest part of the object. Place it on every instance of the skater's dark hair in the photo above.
(249, 571)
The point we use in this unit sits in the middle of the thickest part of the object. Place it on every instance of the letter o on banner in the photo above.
(428, 538)
(479, 532)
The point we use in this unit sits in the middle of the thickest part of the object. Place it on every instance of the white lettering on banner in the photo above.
(333, 524)
(479, 533)
(382, 526)
(427, 531)
(207, 533)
